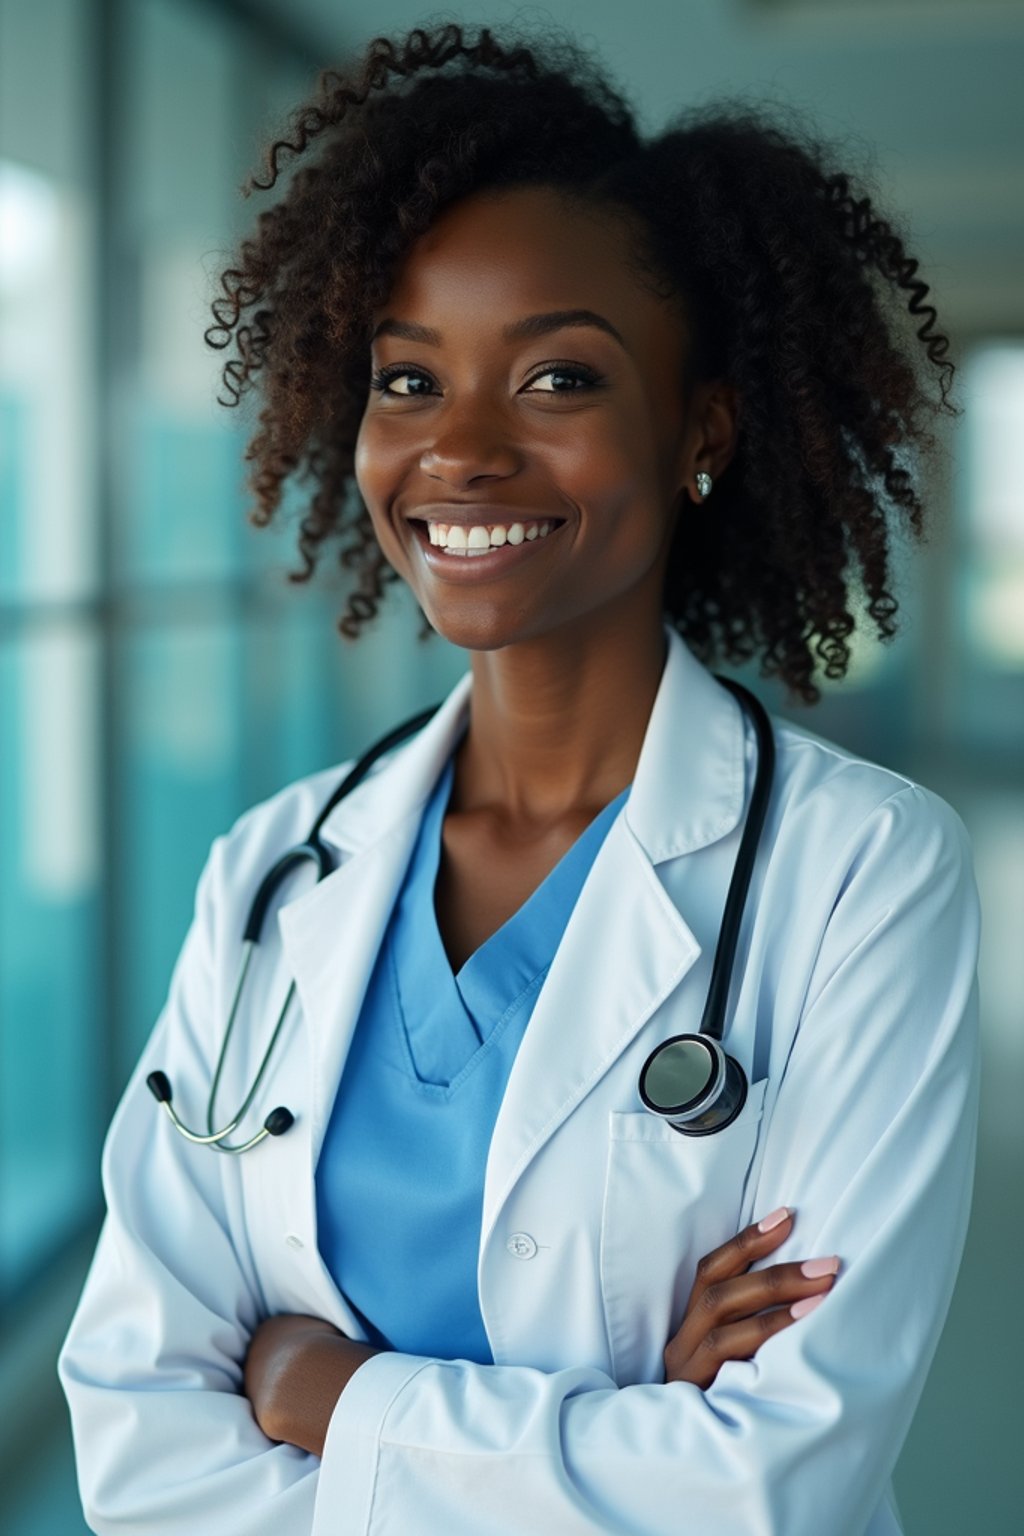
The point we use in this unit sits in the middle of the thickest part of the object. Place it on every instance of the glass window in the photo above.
(179, 787)
(994, 590)
(52, 1073)
(180, 512)
(48, 547)
(52, 1050)
(990, 547)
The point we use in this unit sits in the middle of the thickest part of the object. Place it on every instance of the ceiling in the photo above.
(927, 91)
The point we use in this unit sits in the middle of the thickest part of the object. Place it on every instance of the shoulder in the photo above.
(834, 812)
(822, 778)
(867, 905)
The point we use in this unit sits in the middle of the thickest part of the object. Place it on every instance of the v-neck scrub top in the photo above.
(400, 1177)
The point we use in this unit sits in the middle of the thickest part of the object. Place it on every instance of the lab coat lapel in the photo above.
(332, 933)
(624, 949)
(330, 936)
(626, 946)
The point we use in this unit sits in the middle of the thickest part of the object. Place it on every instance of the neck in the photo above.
(556, 724)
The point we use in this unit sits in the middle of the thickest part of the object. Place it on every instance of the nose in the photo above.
(469, 445)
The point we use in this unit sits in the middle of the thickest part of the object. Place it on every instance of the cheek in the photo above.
(368, 463)
(612, 476)
(374, 475)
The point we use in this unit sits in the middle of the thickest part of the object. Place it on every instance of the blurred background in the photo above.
(158, 674)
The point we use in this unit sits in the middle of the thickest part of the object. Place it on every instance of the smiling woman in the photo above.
(482, 1279)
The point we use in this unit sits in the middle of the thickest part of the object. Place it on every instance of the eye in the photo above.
(383, 376)
(585, 378)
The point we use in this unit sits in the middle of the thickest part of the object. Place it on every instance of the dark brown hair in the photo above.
(797, 290)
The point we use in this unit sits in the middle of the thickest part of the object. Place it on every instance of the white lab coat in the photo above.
(854, 1014)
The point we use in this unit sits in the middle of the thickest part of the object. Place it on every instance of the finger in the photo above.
(742, 1340)
(724, 1301)
(733, 1257)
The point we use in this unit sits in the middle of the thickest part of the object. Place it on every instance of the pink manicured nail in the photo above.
(815, 1268)
(773, 1219)
(801, 1308)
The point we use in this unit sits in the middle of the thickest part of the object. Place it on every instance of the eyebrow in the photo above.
(520, 330)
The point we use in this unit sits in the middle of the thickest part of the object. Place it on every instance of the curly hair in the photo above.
(799, 293)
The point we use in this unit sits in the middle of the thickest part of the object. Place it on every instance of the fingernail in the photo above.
(801, 1308)
(815, 1268)
(773, 1219)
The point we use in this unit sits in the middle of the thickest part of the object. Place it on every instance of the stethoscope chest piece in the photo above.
(689, 1081)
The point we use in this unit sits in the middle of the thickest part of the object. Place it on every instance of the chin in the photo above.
(473, 628)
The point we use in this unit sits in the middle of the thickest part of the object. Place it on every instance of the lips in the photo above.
(482, 517)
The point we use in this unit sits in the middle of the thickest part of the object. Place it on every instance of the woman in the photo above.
(612, 408)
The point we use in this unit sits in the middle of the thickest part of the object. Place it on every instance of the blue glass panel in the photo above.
(313, 697)
(13, 474)
(180, 510)
(180, 778)
(296, 719)
(988, 568)
(185, 514)
(51, 1059)
(47, 505)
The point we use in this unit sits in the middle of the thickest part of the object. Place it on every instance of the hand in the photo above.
(296, 1368)
(724, 1317)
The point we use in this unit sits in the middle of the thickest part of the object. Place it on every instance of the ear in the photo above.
(715, 416)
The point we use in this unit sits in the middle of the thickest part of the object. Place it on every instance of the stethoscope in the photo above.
(688, 1080)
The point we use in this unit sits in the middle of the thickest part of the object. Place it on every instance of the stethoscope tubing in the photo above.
(713, 1019)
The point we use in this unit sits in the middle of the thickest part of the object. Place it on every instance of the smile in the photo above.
(483, 550)
(457, 538)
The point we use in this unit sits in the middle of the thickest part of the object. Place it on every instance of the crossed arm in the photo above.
(297, 1367)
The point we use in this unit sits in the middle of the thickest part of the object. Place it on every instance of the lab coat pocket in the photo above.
(668, 1200)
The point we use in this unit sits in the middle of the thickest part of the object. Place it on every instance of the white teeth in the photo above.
(461, 540)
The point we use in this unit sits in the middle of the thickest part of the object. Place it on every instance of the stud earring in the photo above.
(704, 483)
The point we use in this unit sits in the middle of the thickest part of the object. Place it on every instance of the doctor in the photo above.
(626, 1357)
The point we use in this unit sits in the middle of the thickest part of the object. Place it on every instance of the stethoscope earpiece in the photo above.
(160, 1087)
(278, 1121)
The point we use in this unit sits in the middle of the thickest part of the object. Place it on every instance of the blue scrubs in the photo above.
(400, 1178)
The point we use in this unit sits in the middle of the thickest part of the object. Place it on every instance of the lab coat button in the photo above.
(293, 1241)
(521, 1245)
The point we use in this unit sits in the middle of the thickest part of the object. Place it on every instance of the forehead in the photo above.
(498, 255)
